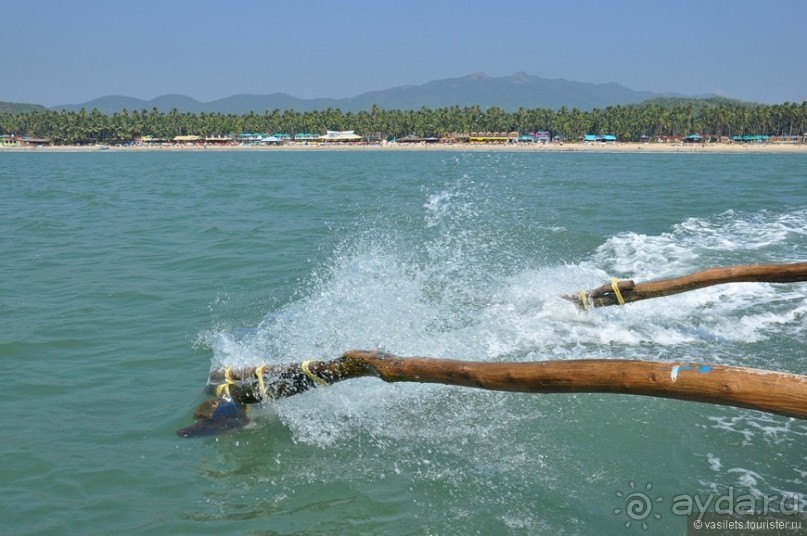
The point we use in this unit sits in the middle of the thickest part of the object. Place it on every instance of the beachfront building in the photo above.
(187, 140)
(602, 138)
(339, 136)
(417, 139)
(755, 138)
(787, 139)
(305, 137)
(492, 137)
(252, 138)
(218, 140)
(455, 137)
(9, 140)
(35, 142)
(249, 138)
(540, 136)
(150, 140)
(411, 138)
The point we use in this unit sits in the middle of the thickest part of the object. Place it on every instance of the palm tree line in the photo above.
(658, 118)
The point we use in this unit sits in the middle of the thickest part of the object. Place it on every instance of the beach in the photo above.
(617, 147)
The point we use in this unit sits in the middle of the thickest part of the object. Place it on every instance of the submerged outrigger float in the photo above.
(763, 390)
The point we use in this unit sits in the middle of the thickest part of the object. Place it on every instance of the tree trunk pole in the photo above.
(774, 392)
(630, 292)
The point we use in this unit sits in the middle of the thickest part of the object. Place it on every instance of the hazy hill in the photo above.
(519, 90)
(509, 93)
(19, 107)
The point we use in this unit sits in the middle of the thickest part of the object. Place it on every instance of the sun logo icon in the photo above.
(638, 505)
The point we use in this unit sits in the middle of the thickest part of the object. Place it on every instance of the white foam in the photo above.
(454, 292)
(714, 462)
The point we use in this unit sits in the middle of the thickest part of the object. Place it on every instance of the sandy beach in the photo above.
(718, 148)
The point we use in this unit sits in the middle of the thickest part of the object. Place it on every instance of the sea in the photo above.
(128, 276)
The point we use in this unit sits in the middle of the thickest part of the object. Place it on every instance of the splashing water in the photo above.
(457, 286)
(465, 281)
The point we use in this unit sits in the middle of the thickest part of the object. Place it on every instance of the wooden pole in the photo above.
(773, 392)
(630, 292)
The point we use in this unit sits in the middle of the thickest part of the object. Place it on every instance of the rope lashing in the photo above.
(586, 303)
(261, 383)
(224, 388)
(584, 300)
(615, 287)
(313, 377)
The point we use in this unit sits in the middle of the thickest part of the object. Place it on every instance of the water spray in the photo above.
(781, 393)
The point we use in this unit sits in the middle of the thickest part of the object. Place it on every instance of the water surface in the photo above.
(128, 276)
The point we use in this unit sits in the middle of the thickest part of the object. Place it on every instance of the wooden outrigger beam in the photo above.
(622, 292)
(773, 392)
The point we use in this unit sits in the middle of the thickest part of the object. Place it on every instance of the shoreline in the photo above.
(616, 147)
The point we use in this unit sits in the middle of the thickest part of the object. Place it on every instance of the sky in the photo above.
(59, 52)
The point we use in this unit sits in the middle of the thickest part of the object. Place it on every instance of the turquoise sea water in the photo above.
(127, 276)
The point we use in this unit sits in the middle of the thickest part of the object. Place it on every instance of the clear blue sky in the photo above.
(71, 51)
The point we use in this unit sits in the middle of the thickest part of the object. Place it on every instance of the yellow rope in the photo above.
(311, 375)
(615, 287)
(584, 299)
(261, 383)
(224, 388)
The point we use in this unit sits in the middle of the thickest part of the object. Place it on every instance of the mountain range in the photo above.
(510, 93)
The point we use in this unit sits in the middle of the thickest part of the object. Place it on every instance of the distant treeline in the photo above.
(656, 118)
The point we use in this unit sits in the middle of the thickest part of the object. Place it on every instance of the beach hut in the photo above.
(9, 140)
(35, 142)
(270, 140)
(218, 140)
(411, 138)
(188, 140)
(489, 137)
(247, 138)
(305, 137)
(455, 137)
(340, 136)
(755, 138)
(543, 136)
(604, 138)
